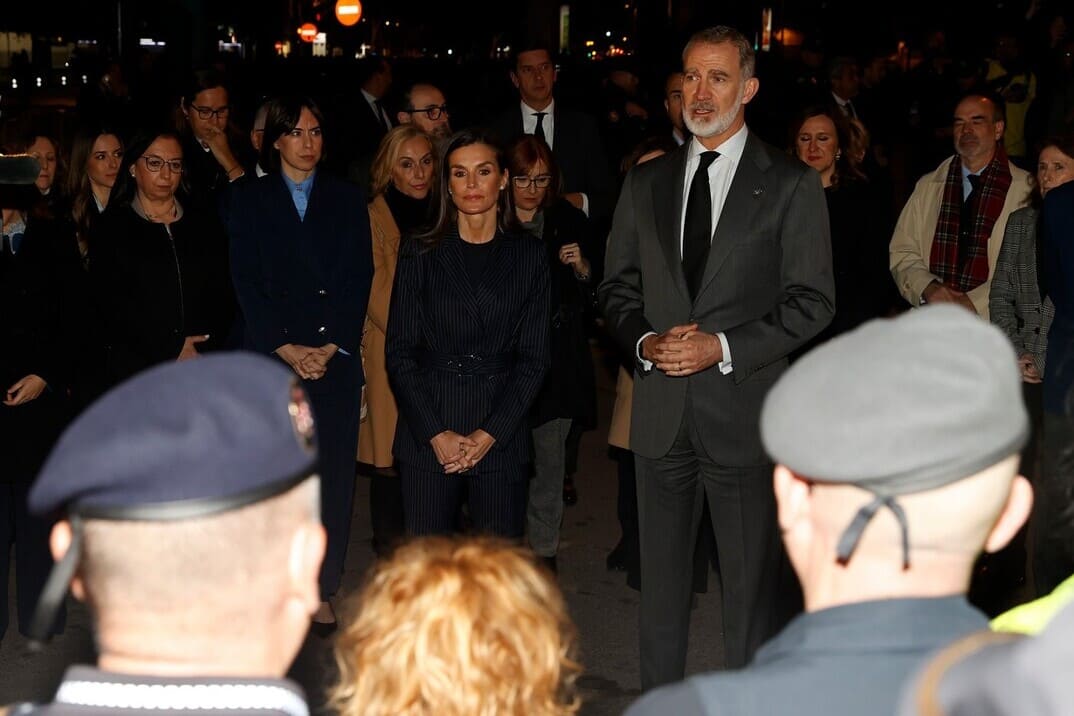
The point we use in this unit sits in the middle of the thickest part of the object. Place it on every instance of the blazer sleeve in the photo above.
(531, 353)
(403, 346)
(352, 298)
(1003, 294)
(807, 302)
(598, 180)
(620, 294)
(260, 310)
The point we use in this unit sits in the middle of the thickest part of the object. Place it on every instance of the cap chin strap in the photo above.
(850, 538)
(56, 588)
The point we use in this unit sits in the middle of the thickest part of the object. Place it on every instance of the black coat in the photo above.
(36, 338)
(304, 282)
(436, 311)
(578, 150)
(569, 390)
(156, 284)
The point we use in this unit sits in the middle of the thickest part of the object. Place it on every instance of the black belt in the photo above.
(472, 364)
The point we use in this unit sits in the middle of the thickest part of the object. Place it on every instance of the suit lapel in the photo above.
(501, 258)
(745, 199)
(667, 212)
(449, 254)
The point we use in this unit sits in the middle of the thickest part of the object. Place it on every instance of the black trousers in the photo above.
(1052, 523)
(33, 561)
(671, 492)
(497, 501)
(337, 416)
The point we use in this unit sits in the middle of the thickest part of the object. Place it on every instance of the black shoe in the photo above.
(570, 495)
(549, 563)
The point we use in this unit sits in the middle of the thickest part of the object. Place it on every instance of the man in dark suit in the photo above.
(572, 136)
(718, 266)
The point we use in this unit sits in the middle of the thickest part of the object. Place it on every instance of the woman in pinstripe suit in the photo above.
(467, 349)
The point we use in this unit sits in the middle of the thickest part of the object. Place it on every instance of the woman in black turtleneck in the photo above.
(402, 176)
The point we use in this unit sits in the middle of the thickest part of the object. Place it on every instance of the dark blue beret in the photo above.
(183, 440)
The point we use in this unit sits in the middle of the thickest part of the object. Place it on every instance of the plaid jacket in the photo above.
(1014, 302)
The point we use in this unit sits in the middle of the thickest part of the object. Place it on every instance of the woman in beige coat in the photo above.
(402, 176)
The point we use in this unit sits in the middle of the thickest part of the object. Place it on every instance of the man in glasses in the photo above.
(426, 108)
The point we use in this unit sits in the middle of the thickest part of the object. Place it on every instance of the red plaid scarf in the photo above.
(985, 206)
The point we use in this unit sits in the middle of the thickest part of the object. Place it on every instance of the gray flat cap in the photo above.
(899, 406)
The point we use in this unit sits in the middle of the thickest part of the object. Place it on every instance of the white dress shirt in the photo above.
(721, 174)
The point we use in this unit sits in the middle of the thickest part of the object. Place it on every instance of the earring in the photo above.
(838, 154)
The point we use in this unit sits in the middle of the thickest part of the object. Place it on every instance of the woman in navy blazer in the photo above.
(302, 263)
(467, 349)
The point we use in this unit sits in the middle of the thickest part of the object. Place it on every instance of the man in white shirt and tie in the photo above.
(718, 267)
(572, 136)
(845, 82)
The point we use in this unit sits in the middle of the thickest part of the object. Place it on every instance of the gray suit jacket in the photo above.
(767, 285)
(1014, 300)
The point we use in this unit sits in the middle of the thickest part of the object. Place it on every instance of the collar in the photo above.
(303, 186)
(732, 147)
(966, 172)
(138, 209)
(528, 111)
(839, 100)
(896, 624)
(86, 686)
(370, 98)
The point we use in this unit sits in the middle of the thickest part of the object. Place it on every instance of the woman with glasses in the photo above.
(568, 394)
(210, 143)
(467, 349)
(302, 262)
(158, 265)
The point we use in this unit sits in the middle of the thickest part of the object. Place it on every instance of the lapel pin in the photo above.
(758, 191)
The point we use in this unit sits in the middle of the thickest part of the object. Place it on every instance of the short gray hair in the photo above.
(718, 35)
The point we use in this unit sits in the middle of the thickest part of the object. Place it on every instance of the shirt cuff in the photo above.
(646, 365)
(725, 365)
(585, 203)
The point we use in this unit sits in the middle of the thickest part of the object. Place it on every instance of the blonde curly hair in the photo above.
(457, 628)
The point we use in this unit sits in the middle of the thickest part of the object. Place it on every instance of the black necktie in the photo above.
(382, 116)
(967, 220)
(849, 107)
(697, 228)
(539, 130)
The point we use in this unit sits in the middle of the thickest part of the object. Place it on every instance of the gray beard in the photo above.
(719, 124)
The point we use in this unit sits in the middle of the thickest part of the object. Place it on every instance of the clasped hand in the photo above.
(24, 390)
(682, 350)
(459, 453)
(310, 363)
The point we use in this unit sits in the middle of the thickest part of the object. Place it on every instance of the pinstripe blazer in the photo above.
(1014, 303)
(435, 310)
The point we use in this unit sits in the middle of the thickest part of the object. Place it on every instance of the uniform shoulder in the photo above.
(681, 699)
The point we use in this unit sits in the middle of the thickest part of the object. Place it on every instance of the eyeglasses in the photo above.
(208, 112)
(155, 164)
(433, 111)
(541, 181)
